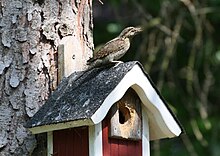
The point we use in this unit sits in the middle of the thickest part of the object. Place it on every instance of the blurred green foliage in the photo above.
(180, 49)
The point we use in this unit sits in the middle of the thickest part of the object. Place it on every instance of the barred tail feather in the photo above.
(89, 61)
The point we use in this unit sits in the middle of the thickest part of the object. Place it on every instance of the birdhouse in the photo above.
(106, 111)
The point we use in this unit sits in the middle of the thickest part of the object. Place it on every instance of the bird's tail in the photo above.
(90, 61)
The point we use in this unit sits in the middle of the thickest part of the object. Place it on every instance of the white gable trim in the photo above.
(135, 78)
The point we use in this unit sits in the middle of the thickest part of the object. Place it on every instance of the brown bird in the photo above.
(114, 49)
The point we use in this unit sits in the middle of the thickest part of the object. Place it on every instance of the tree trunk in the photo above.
(31, 32)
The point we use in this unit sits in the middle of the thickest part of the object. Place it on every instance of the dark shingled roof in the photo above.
(80, 95)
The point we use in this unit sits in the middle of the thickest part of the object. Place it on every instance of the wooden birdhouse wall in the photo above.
(125, 119)
(71, 142)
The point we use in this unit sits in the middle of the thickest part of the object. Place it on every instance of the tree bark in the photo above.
(31, 31)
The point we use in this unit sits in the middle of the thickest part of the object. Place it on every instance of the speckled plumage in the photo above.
(116, 48)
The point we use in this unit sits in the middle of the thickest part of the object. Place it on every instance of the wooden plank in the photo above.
(69, 141)
(69, 57)
(131, 148)
(72, 142)
(139, 149)
(122, 147)
(72, 137)
(55, 143)
(74, 59)
(60, 62)
(105, 139)
(114, 147)
(85, 142)
(62, 143)
(75, 139)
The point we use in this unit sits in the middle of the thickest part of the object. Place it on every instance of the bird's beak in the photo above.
(138, 29)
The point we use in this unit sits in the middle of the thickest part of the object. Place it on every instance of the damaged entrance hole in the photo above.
(124, 114)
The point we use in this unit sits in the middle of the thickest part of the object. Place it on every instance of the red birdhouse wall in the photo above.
(71, 142)
(119, 147)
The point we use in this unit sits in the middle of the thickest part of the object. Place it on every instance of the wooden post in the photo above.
(75, 49)
(70, 57)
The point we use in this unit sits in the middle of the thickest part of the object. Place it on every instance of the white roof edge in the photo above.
(59, 126)
(136, 79)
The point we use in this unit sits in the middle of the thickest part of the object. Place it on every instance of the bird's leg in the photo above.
(116, 63)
